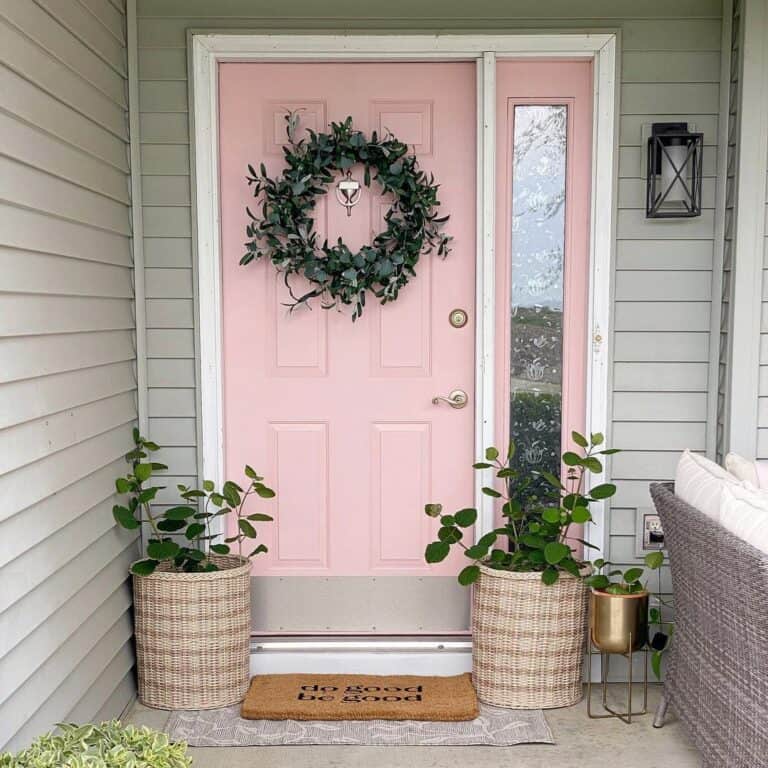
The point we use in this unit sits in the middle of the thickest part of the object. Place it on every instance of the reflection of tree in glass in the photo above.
(543, 133)
(538, 240)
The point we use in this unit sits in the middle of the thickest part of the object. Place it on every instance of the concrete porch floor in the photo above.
(579, 741)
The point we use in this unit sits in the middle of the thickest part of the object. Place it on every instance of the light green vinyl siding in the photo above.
(67, 365)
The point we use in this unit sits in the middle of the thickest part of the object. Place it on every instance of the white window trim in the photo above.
(208, 49)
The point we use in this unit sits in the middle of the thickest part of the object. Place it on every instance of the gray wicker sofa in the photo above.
(717, 669)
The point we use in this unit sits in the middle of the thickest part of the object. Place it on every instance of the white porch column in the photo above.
(743, 364)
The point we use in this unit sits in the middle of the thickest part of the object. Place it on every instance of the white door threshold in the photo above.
(361, 655)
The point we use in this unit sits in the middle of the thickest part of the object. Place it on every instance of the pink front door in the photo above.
(339, 416)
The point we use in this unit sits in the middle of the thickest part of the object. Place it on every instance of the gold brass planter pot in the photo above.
(618, 625)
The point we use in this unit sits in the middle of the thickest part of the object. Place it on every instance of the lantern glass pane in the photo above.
(538, 252)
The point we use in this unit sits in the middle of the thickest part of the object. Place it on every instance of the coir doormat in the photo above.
(360, 697)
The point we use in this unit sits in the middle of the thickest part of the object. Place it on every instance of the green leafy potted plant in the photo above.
(529, 617)
(192, 594)
(109, 745)
(619, 606)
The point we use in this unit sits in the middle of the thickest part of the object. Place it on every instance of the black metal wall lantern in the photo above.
(674, 172)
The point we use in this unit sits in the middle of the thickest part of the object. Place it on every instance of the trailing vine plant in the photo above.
(284, 232)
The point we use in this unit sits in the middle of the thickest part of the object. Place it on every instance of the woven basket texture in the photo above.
(193, 635)
(528, 639)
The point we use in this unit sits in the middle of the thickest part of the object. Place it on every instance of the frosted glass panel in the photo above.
(536, 314)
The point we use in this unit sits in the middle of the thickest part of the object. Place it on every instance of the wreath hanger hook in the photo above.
(348, 192)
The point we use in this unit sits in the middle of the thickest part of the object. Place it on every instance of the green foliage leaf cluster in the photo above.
(618, 582)
(284, 232)
(109, 745)
(182, 534)
(534, 536)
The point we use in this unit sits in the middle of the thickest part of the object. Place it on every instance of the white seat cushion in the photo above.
(744, 512)
(742, 469)
(699, 482)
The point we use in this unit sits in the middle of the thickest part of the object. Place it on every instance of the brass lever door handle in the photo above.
(457, 398)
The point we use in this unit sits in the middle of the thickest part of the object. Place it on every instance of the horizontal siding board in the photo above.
(660, 377)
(642, 465)
(115, 643)
(42, 520)
(167, 222)
(172, 432)
(660, 406)
(74, 17)
(171, 402)
(661, 347)
(89, 707)
(661, 316)
(165, 190)
(35, 440)
(109, 586)
(109, 16)
(168, 283)
(166, 372)
(426, 11)
(659, 436)
(168, 252)
(163, 96)
(25, 99)
(681, 34)
(22, 401)
(164, 127)
(33, 483)
(121, 698)
(34, 189)
(30, 357)
(170, 343)
(43, 273)
(31, 19)
(45, 152)
(646, 285)
(663, 66)
(162, 64)
(664, 254)
(647, 98)
(34, 231)
(41, 562)
(163, 159)
(26, 615)
(62, 314)
(170, 313)
(36, 65)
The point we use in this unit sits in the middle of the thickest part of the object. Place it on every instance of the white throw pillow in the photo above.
(744, 512)
(699, 482)
(742, 469)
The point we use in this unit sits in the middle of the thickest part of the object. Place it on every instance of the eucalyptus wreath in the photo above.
(285, 231)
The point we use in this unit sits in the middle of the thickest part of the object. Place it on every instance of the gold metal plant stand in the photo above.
(628, 714)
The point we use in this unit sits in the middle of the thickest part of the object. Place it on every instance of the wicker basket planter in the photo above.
(528, 639)
(193, 635)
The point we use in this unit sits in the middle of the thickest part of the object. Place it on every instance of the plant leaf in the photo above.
(436, 552)
(554, 552)
(124, 517)
(162, 550)
(469, 575)
(465, 517)
(144, 567)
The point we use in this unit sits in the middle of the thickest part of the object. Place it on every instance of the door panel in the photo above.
(543, 176)
(339, 415)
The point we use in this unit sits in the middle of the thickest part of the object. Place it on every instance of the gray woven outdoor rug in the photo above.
(494, 727)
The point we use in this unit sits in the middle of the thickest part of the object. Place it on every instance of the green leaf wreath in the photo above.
(285, 231)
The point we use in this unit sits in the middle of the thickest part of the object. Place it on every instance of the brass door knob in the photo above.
(457, 398)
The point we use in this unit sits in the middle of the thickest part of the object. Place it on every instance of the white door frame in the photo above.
(208, 49)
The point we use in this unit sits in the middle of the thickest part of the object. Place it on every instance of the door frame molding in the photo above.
(207, 49)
